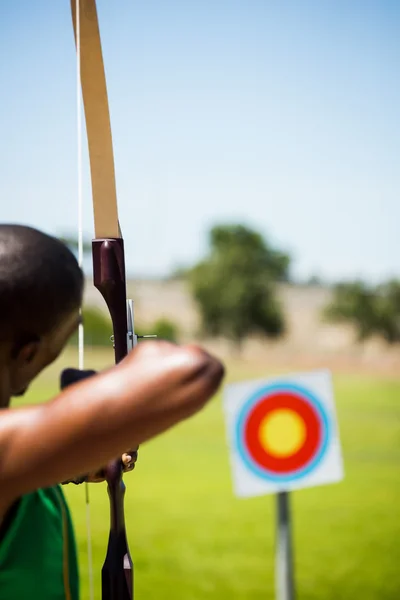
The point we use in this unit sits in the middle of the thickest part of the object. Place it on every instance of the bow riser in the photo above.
(109, 278)
(117, 571)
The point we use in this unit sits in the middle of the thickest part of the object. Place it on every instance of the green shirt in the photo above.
(38, 559)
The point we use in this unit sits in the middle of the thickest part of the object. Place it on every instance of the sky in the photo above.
(278, 114)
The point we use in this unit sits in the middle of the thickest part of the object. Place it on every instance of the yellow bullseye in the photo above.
(282, 432)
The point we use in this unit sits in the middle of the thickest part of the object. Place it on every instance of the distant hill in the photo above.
(309, 341)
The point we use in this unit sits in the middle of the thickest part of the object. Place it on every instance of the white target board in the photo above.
(282, 433)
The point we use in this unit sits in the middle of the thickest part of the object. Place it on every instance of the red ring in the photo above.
(306, 452)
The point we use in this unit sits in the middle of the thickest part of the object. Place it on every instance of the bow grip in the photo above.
(70, 376)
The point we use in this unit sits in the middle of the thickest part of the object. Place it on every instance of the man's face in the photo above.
(35, 357)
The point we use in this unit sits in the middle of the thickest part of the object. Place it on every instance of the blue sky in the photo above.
(283, 115)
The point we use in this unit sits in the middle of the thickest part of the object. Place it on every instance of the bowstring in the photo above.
(81, 338)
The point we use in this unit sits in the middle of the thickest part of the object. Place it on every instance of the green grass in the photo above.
(191, 538)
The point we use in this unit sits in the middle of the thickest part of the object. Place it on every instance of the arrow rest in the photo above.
(132, 337)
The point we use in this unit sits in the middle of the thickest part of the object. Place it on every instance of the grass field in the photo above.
(191, 538)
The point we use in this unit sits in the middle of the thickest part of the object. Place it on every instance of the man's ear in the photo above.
(26, 352)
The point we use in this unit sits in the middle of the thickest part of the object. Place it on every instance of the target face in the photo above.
(282, 433)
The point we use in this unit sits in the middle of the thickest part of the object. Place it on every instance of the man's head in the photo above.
(41, 288)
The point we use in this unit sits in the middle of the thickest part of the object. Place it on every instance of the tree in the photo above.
(165, 329)
(314, 280)
(235, 285)
(97, 327)
(388, 311)
(371, 310)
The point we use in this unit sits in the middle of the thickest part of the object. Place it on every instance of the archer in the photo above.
(87, 425)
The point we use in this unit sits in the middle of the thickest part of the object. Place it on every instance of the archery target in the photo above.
(282, 434)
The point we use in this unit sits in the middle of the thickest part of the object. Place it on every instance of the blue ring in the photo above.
(240, 445)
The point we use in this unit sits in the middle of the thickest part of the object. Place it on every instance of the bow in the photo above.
(108, 266)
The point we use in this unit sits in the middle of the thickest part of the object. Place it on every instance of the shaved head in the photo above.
(40, 282)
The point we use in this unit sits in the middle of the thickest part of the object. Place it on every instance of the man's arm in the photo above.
(156, 386)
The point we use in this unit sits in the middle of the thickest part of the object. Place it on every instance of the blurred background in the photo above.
(256, 148)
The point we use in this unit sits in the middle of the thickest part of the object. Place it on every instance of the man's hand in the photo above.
(128, 461)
